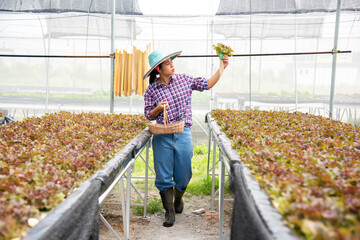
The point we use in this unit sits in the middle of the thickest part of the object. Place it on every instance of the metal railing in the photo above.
(260, 215)
(223, 165)
(126, 203)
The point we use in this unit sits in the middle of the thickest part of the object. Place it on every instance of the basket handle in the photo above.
(166, 120)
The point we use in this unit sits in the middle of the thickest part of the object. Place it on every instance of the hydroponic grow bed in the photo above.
(308, 165)
(43, 160)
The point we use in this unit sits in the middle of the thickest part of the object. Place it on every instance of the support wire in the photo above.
(181, 56)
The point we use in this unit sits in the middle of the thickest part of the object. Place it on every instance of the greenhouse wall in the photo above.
(34, 85)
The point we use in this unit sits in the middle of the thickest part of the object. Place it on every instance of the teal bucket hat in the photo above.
(157, 57)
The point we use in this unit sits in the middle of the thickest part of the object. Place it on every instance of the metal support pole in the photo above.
(113, 184)
(112, 59)
(333, 72)
(123, 204)
(213, 177)
(295, 70)
(109, 227)
(221, 193)
(132, 34)
(146, 177)
(212, 94)
(250, 60)
(209, 149)
(47, 60)
(128, 202)
(48, 68)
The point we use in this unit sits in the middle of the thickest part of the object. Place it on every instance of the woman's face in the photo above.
(167, 67)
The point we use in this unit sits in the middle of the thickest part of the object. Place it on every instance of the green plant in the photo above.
(223, 49)
(201, 186)
(140, 164)
(200, 150)
(154, 205)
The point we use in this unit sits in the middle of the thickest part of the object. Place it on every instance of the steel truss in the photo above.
(125, 198)
(263, 218)
(224, 177)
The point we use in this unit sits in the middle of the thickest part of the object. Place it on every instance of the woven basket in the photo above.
(166, 128)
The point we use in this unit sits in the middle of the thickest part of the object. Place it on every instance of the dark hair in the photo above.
(153, 75)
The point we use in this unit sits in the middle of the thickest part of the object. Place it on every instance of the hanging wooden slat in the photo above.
(125, 72)
(116, 74)
(129, 77)
(146, 67)
(129, 70)
(123, 59)
(139, 71)
(134, 70)
(120, 80)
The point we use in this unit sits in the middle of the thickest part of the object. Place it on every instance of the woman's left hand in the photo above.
(225, 60)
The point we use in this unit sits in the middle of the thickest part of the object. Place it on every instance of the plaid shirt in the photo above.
(177, 94)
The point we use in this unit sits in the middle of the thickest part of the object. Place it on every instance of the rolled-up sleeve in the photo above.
(198, 83)
(149, 105)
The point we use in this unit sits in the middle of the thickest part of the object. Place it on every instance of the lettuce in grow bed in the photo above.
(44, 159)
(308, 165)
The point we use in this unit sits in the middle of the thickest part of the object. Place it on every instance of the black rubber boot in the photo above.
(168, 204)
(178, 202)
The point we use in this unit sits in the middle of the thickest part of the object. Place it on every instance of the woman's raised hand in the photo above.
(225, 60)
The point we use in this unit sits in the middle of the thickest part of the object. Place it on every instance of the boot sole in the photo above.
(168, 224)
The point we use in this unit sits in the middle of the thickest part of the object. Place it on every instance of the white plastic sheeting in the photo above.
(236, 7)
(273, 81)
(57, 6)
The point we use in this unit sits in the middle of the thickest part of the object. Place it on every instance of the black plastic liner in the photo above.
(77, 217)
(5, 120)
(246, 222)
(254, 216)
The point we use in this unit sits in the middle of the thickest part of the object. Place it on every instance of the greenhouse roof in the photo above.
(225, 7)
(236, 7)
(127, 7)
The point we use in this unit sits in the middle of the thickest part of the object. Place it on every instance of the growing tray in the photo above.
(77, 216)
(254, 216)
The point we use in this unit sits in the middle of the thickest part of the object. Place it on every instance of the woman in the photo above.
(172, 152)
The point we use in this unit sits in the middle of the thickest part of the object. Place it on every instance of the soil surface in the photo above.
(188, 225)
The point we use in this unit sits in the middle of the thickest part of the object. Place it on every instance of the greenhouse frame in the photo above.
(294, 82)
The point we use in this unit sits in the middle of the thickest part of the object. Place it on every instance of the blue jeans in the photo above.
(172, 159)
